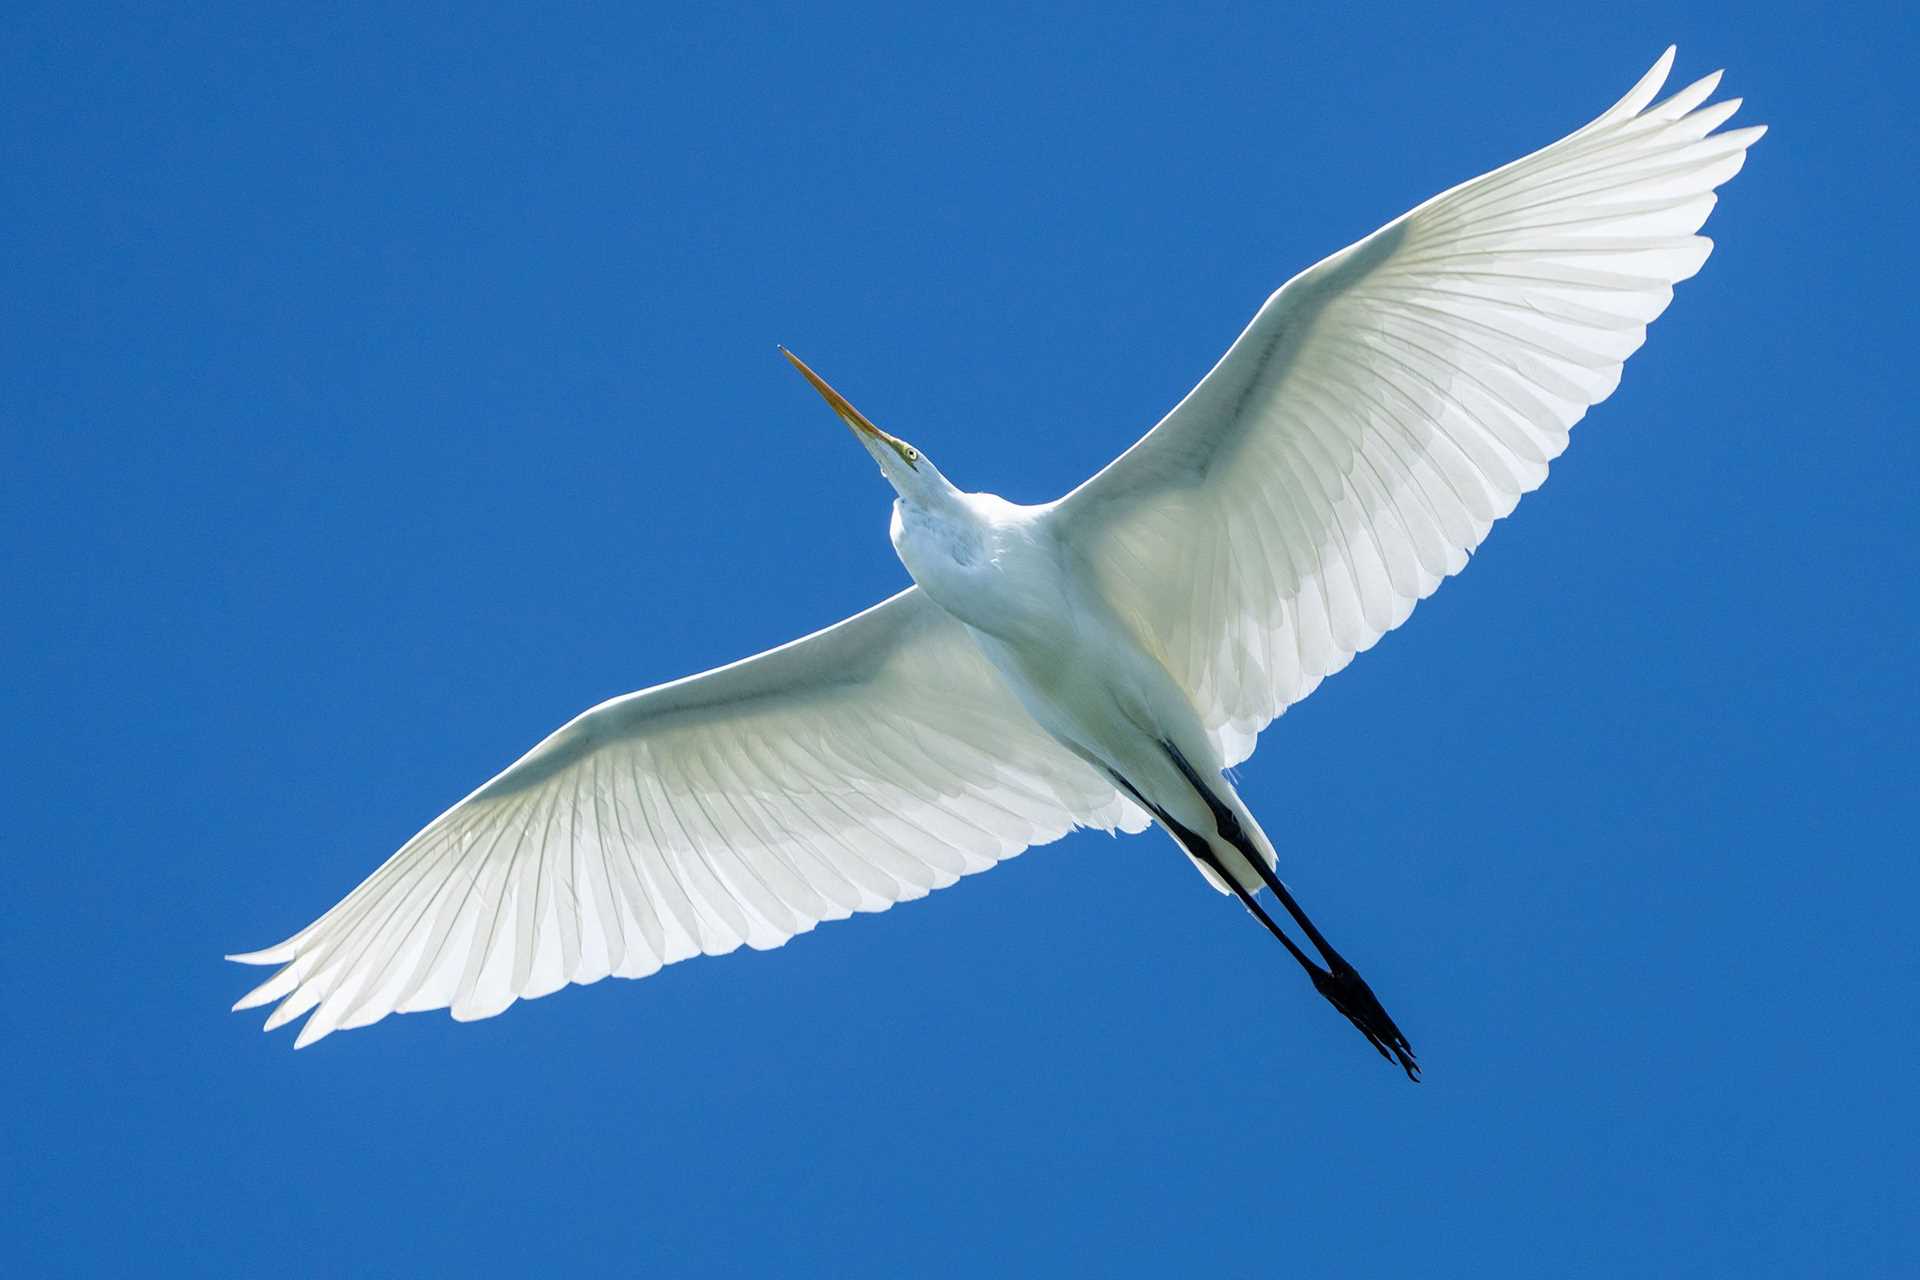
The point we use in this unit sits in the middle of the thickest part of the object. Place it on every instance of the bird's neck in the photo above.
(930, 510)
(939, 528)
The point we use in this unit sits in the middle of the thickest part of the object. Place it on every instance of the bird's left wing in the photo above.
(1386, 406)
(858, 767)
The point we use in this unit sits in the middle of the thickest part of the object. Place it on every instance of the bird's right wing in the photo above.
(861, 766)
(1386, 406)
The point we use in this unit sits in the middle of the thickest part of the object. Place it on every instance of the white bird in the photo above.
(1096, 661)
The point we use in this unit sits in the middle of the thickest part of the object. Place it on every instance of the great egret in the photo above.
(1097, 661)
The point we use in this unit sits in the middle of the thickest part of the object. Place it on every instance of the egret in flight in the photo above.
(1097, 661)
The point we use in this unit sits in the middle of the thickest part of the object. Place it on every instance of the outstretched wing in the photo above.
(1386, 406)
(861, 766)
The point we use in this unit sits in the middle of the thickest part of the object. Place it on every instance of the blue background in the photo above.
(381, 389)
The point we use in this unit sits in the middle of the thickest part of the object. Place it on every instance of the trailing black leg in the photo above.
(1340, 983)
(1194, 843)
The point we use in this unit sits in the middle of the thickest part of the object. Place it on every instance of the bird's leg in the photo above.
(1337, 986)
(1340, 983)
(1331, 985)
(1191, 840)
(1327, 984)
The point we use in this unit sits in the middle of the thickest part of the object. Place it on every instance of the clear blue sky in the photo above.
(380, 390)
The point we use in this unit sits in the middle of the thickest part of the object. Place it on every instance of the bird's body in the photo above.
(1099, 661)
(1011, 577)
(1006, 574)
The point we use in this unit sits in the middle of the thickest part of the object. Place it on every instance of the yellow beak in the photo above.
(848, 414)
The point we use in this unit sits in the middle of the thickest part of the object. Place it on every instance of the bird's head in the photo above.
(907, 469)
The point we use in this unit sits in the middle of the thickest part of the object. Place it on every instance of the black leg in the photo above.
(1340, 982)
(1327, 984)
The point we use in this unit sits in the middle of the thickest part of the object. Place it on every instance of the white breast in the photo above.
(988, 562)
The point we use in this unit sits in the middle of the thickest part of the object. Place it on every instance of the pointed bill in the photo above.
(855, 419)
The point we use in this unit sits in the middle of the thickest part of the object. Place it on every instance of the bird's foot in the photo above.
(1348, 992)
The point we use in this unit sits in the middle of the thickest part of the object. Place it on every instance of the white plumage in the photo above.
(1062, 666)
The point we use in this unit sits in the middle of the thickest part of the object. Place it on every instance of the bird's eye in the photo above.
(913, 454)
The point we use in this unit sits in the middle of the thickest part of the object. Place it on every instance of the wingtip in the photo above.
(283, 983)
(309, 1035)
(268, 955)
(284, 1013)
(1643, 92)
(1662, 67)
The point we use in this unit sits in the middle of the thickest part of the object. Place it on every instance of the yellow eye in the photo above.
(913, 455)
